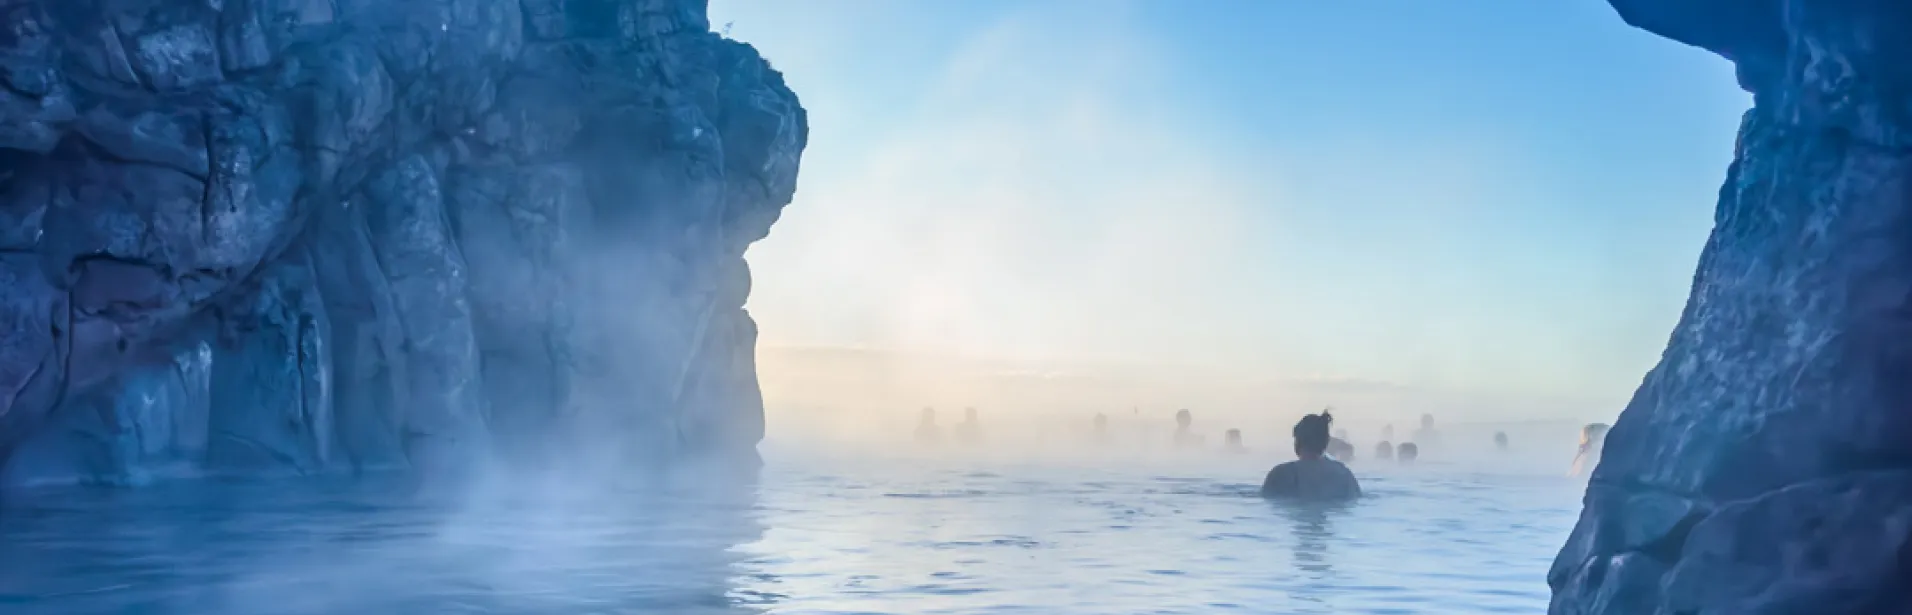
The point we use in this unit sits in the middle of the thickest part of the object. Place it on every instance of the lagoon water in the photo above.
(818, 534)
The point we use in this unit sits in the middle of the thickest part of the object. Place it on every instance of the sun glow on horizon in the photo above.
(1113, 211)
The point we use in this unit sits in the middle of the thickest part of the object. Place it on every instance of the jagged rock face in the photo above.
(308, 236)
(1763, 465)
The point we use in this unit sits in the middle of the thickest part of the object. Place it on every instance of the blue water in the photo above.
(850, 535)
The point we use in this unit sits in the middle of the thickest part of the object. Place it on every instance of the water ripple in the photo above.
(812, 539)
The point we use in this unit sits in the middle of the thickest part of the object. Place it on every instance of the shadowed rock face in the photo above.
(310, 236)
(1764, 465)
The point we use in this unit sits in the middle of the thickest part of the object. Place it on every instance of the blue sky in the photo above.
(1502, 198)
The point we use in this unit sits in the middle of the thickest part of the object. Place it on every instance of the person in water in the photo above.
(926, 430)
(1593, 441)
(970, 431)
(1341, 447)
(1313, 476)
(1233, 441)
(1500, 440)
(1101, 427)
(1407, 452)
(1384, 450)
(1184, 435)
(1340, 450)
(1426, 435)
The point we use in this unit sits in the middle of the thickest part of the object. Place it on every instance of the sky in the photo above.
(1498, 203)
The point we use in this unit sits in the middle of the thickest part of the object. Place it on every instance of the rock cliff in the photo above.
(315, 236)
(1763, 466)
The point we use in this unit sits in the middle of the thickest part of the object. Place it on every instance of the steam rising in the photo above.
(1046, 232)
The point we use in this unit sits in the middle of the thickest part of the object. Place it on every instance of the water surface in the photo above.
(851, 535)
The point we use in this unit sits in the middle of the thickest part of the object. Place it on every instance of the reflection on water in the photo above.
(1312, 528)
(814, 537)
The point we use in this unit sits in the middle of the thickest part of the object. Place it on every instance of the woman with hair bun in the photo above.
(1313, 476)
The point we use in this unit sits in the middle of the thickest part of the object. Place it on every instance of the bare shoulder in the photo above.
(1281, 474)
(1347, 478)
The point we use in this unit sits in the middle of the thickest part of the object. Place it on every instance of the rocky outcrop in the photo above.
(313, 236)
(1763, 466)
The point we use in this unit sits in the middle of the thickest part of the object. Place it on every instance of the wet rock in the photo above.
(250, 209)
(1658, 523)
(103, 53)
(34, 344)
(172, 135)
(1781, 389)
(33, 123)
(271, 378)
(26, 190)
(178, 56)
(1618, 521)
(413, 241)
(1827, 546)
(546, 19)
(723, 408)
(525, 230)
(344, 97)
(244, 42)
(35, 105)
(1622, 584)
(407, 234)
(27, 48)
(530, 122)
(152, 424)
(369, 381)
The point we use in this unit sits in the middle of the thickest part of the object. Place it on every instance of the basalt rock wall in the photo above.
(1763, 466)
(316, 236)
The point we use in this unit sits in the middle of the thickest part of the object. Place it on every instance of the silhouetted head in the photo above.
(1387, 432)
(1234, 437)
(1408, 451)
(1311, 435)
(1427, 420)
(1183, 419)
(969, 414)
(1500, 440)
(1384, 450)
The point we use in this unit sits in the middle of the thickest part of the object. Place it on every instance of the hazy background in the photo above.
(1485, 209)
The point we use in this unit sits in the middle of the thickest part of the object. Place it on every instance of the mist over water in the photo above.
(1094, 224)
(1034, 519)
(962, 535)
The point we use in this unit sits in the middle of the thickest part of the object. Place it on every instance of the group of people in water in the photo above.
(970, 431)
(1319, 471)
(1338, 447)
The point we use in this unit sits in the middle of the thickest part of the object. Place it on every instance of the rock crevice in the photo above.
(314, 236)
